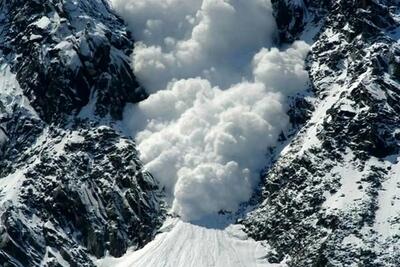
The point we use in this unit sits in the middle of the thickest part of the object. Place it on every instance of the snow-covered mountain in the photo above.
(71, 184)
(331, 197)
(75, 192)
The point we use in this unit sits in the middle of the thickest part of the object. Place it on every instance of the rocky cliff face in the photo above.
(331, 197)
(71, 184)
(71, 52)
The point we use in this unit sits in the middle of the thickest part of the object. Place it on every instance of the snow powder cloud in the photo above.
(214, 39)
(219, 94)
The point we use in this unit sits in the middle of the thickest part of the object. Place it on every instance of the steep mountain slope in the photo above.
(71, 185)
(72, 188)
(331, 197)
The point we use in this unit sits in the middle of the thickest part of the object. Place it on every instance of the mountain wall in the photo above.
(71, 183)
(331, 196)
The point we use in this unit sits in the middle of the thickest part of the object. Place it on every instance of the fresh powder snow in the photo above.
(210, 242)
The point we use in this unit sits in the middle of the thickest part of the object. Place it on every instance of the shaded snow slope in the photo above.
(183, 244)
(11, 94)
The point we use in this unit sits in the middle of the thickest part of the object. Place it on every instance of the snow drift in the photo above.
(219, 96)
(182, 244)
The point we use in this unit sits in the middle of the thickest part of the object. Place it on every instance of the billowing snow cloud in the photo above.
(219, 96)
(205, 144)
(214, 39)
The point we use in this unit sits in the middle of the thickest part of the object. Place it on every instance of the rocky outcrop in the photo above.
(71, 185)
(330, 199)
(72, 52)
(78, 192)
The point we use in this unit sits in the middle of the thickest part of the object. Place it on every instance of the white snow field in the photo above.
(183, 244)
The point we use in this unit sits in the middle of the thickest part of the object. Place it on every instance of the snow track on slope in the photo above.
(183, 244)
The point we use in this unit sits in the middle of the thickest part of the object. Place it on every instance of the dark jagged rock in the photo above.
(70, 189)
(330, 198)
(72, 52)
(83, 193)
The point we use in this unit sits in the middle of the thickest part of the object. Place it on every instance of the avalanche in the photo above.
(219, 100)
(220, 97)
